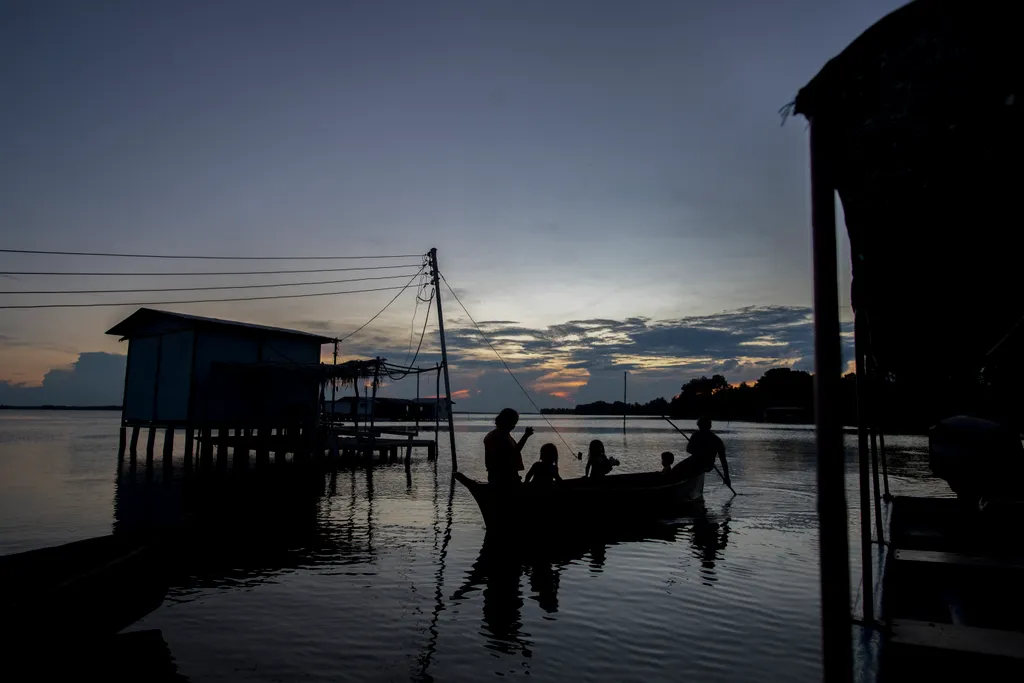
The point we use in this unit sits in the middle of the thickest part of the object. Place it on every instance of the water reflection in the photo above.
(709, 536)
(501, 565)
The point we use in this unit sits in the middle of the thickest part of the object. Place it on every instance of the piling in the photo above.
(122, 441)
(263, 446)
(134, 448)
(189, 436)
(222, 448)
(168, 446)
(206, 449)
(150, 444)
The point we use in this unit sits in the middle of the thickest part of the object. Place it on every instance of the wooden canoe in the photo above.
(93, 588)
(612, 500)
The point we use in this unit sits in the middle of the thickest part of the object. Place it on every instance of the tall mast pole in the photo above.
(624, 404)
(436, 276)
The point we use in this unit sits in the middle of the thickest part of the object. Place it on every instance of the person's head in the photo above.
(704, 423)
(549, 454)
(596, 448)
(667, 458)
(506, 420)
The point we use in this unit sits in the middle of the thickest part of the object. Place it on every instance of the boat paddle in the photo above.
(687, 437)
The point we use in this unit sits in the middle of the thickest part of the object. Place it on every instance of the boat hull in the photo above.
(607, 501)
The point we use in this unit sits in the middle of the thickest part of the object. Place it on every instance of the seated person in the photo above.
(598, 463)
(666, 462)
(544, 472)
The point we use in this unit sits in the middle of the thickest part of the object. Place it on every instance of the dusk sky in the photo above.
(607, 183)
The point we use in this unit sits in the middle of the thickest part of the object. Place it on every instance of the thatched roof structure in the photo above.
(922, 117)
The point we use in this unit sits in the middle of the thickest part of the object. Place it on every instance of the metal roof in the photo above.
(143, 317)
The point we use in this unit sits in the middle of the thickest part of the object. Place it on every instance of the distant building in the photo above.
(190, 370)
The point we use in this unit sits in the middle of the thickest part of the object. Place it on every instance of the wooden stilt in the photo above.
(134, 448)
(263, 446)
(122, 441)
(222, 447)
(150, 444)
(206, 448)
(281, 451)
(168, 446)
(189, 445)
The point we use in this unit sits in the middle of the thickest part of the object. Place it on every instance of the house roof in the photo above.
(138, 322)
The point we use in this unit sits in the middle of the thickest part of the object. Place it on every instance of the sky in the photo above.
(609, 184)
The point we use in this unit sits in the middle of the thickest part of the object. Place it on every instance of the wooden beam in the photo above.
(956, 559)
(980, 641)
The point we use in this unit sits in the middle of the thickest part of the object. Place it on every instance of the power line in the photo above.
(201, 289)
(203, 257)
(423, 333)
(149, 273)
(507, 368)
(201, 301)
(377, 314)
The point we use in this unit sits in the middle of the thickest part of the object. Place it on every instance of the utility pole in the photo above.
(436, 276)
(625, 405)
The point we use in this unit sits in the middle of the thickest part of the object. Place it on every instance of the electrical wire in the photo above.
(201, 289)
(149, 273)
(409, 365)
(201, 301)
(507, 368)
(204, 256)
(388, 304)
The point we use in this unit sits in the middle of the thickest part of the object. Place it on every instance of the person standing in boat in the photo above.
(704, 447)
(503, 455)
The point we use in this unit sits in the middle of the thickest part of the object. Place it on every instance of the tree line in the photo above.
(784, 395)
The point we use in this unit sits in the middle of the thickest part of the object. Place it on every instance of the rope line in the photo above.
(202, 289)
(200, 301)
(507, 368)
(377, 314)
(204, 256)
(149, 273)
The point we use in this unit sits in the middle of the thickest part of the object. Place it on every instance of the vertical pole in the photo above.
(373, 399)
(833, 546)
(334, 381)
(624, 404)
(150, 443)
(435, 273)
(122, 441)
(417, 403)
(189, 446)
(168, 446)
(864, 465)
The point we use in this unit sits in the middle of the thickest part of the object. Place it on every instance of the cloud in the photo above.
(96, 378)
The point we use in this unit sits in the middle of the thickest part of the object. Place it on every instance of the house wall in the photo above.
(164, 383)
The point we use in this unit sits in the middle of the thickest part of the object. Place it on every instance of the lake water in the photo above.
(379, 574)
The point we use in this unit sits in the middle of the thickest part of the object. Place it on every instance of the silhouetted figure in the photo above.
(666, 462)
(704, 447)
(544, 472)
(503, 455)
(598, 463)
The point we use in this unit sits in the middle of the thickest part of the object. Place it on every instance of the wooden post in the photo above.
(281, 449)
(122, 441)
(263, 446)
(168, 446)
(432, 453)
(189, 445)
(408, 449)
(833, 520)
(444, 357)
(150, 444)
(222, 448)
(134, 448)
(206, 448)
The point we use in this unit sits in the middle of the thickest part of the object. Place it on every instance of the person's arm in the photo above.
(725, 464)
(532, 473)
(527, 433)
(586, 471)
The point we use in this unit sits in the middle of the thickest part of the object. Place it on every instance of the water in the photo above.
(381, 574)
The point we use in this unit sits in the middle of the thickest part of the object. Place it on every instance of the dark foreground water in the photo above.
(379, 574)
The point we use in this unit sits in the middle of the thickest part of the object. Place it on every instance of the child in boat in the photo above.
(598, 463)
(544, 472)
(666, 462)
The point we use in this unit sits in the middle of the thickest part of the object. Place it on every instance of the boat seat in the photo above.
(968, 639)
(956, 559)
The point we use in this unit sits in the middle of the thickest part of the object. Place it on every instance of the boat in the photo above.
(609, 501)
(93, 588)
